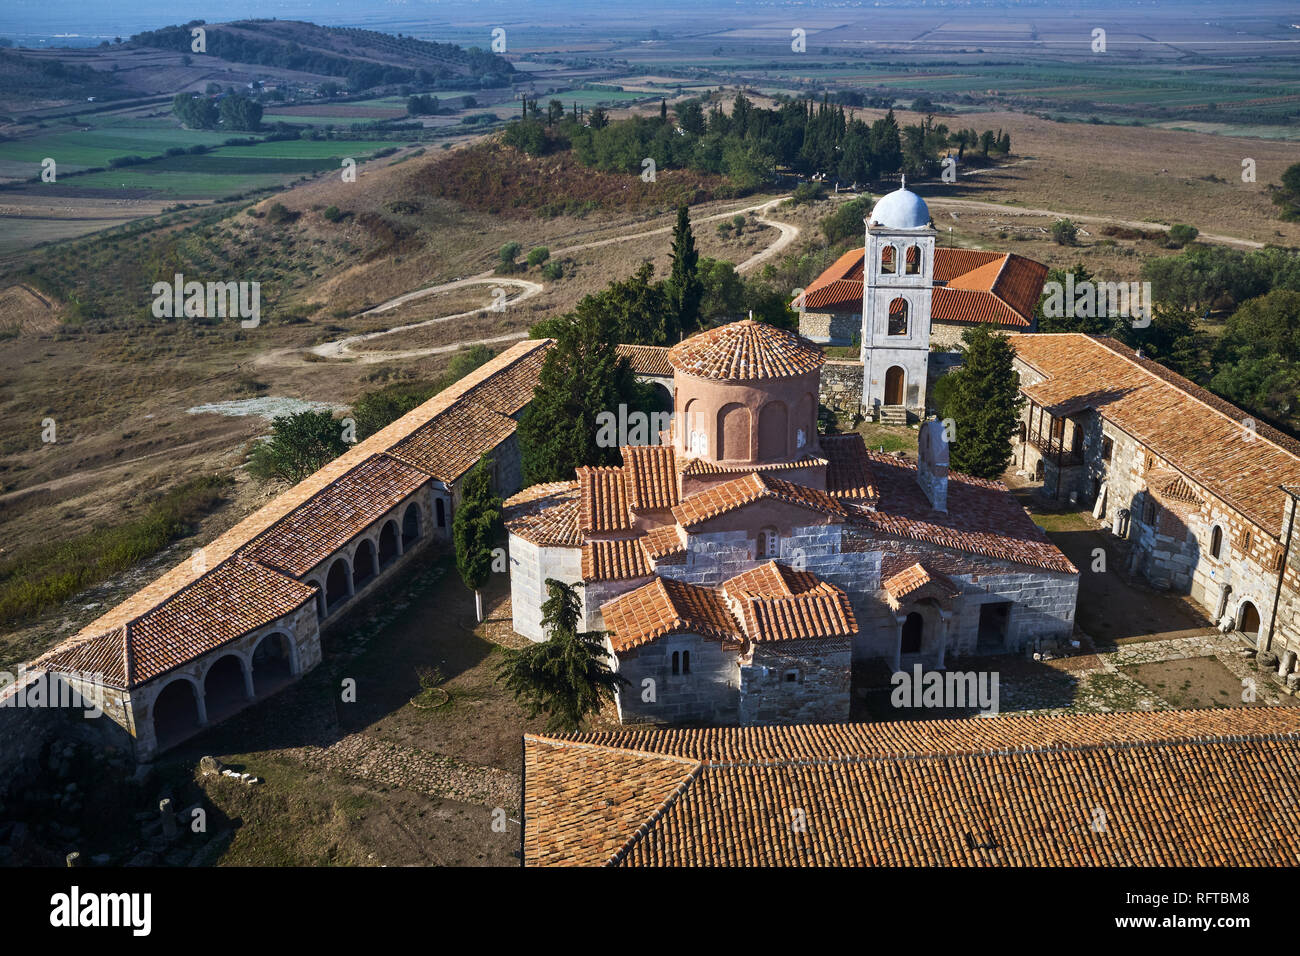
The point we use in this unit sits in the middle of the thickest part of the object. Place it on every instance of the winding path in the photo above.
(345, 347)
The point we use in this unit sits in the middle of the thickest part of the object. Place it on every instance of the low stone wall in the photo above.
(841, 389)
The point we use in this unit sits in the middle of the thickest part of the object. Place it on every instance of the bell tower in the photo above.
(898, 281)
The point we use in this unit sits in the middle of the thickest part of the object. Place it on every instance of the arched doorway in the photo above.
(913, 627)
(272, 663)
(895, 380)
(224, 690)
(411, 525)
(363, 565)
(1249, 622)
(336, 585)
(388, 544)
(175, 713)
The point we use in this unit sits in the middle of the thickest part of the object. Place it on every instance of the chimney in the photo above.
(932, 464)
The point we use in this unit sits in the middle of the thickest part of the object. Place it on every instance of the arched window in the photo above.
(677, 663)
(1216, 542)
(898, 316)
(686, 662)
(440, 509)
(912, 628)
(913, 260)
(887, 260)
(769, 544)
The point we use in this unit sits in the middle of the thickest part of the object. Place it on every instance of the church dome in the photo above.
(901, 209)
(745, 351)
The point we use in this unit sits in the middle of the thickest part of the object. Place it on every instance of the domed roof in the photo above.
(901, 209)
(745, 351)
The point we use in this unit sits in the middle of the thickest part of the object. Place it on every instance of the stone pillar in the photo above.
(945, 625)
(246, 669)
(374, 559)
(201, 703)
(898, 643)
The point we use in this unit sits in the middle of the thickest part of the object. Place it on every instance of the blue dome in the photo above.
(901, 209)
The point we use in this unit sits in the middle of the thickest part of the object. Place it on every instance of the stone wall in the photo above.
(796, 682)
(708, 694)
(831, 328)
(530, 566)
(841, 388)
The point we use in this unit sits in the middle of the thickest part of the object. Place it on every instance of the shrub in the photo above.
(1180, 235)
(333, 213)
(1065, 232)
(552, 270)
(539, 255)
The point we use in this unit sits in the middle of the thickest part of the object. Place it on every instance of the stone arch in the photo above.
(888, 256)
(176, 712)
(338, 585)
(899, 312)
(733, 432)
(410, 525)
(389, 549)
(364, 564)
(773, 431)
(895, 385)
(1248, 621)
(321, 609)
(273, 662)
(225, 686)
(695, 436)
(913, 261)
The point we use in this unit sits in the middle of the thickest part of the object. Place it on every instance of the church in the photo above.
(741, 566)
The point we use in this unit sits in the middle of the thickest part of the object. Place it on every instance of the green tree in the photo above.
(1065, 232)
(1287, 195)
(683, 288)
(566, 676)
(299, 445)
(1180, 235)
(475, 529)
(538, 255)
(983, 403)
(583, 375)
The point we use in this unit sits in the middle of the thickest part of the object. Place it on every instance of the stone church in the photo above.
(742, 565)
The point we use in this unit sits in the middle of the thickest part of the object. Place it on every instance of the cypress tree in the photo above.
(685, 290)
(984, 404)
(474, 530)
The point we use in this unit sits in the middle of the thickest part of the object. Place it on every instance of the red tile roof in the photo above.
(778, 604)
(1177, 788)
(665, 606)
(971, 286)
(848, 476)
(1201, 435)
(604, 500)
(650, 476)
(730, 495)
(663, 543)
(452, 443)
(546, 515)
(616, 560)
(322, 525)
(746, 351)
(235, 598)
(915, 578)
(982, 518)
(650, 360)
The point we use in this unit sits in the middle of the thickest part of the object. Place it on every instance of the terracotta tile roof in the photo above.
(971, 286)
(663, 543)
(665, 606)
(914, 578)
(616, 560)
(316, 529)
(738, 492)
(604, 500)
(650, 476)
(746, 351)
(702, 466)
(849, 473)
(982, 518)
(1172, 488)
(546, 515)
(649, 360)
(1178, 788)
(1197, 433)
(776, 603)
(452, 443)
(233, 599)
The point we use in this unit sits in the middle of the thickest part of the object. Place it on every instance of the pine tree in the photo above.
(984, 404)
(566, 676)
(475, 529)
(685, 290)
(582, 376)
